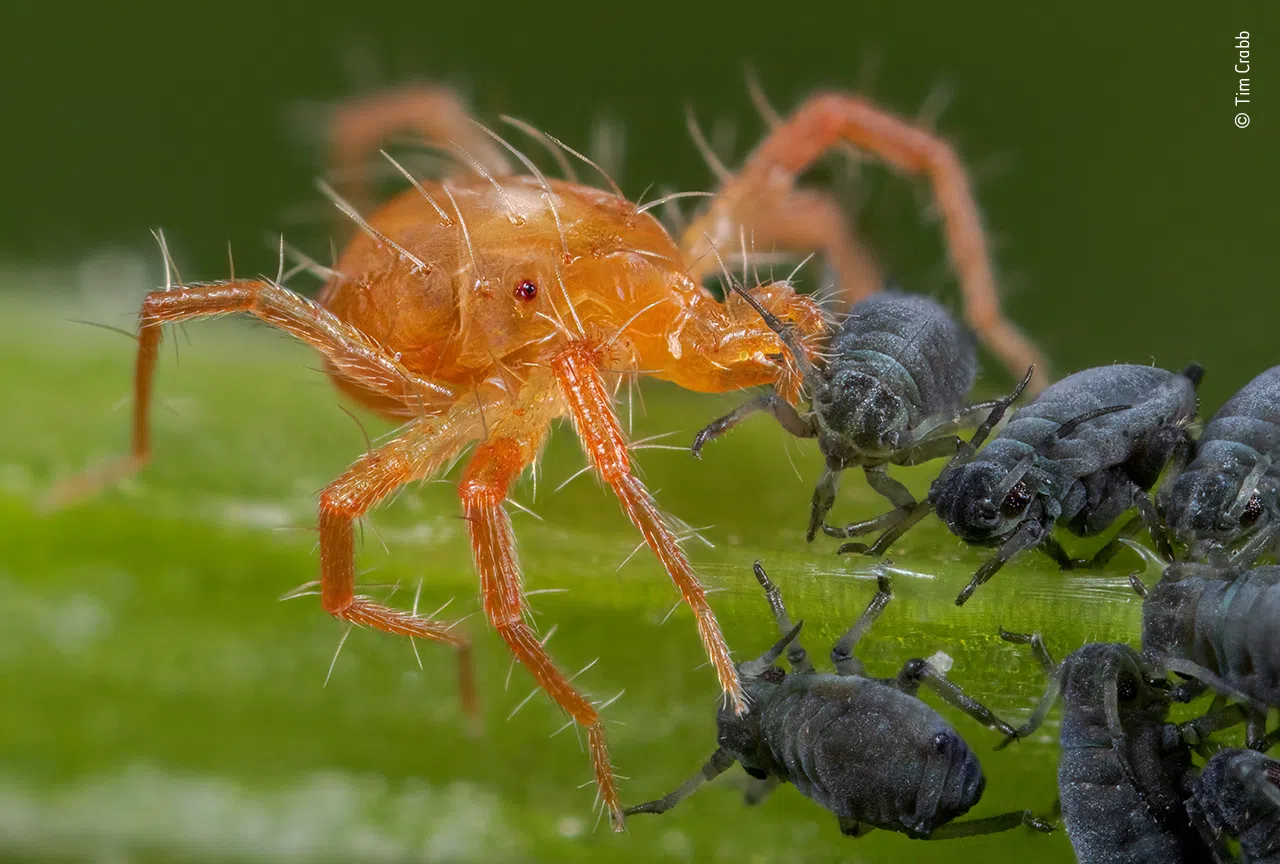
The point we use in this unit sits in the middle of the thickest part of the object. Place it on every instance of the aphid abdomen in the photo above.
(913, 345)
(865, 750)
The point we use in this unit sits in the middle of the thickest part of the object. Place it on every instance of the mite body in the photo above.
(1231, 489)
(866, 749)
(1082, 454)
(892, 391)
(1217, 624)
(1237, 795)
(481, 307)
(1123, 765)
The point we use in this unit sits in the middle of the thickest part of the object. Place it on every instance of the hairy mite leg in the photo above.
(419, 451)
(593, 417)
(827, 119)
(435, 113)
(351, 354)
(512, 443)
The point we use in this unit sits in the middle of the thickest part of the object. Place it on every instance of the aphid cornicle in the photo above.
(1217, 624)
(1080, 455)
(891, 391)
(1231, 489)
(866, 749)
(479, 308)
(1237, 795)
(1122, 769)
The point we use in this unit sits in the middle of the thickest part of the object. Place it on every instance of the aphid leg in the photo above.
(796, 655)
(826, 120)
(916, 672)
(419, 451)
(758, 790)
(1052, 688)
(433, 113)
(990, 825)
(347, 350)
(786, 415)
(824, 498)
(583, 390)
(889, 537)
(842, 653)
(1220, 715)
(1255, 737)
(1052, 548)
(1214, 838)
(719, 762)
(851, 827)
(899, 496)
(1031, 534)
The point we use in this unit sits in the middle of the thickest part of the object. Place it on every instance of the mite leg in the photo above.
(828, 119)
(433, 113)
(420, 450)
(796, 655)
(597, 425)
(786, 415)
(842, 653)
(351, 354)
(1026, 537)
(719, 762)
(917, 672)
(990, 825)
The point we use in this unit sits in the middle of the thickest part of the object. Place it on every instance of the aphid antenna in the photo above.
(542, 180)
(350, 212)
(557, 152)
(723, 174)
(674, 196)
(444, 217)
(337, 651)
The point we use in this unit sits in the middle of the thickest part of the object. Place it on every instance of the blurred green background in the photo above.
(157, 704)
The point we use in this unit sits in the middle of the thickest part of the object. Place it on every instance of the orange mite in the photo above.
(480, 308)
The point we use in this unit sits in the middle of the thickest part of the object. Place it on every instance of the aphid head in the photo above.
(952, 781)
(985, 502)
(1205, 506)
(1110, 687)
(858, 414)
(1237, 788)
(740, 735)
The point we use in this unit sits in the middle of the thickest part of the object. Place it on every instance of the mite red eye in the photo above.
(526, 290)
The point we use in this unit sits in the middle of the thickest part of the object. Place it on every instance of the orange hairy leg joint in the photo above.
(480, 307)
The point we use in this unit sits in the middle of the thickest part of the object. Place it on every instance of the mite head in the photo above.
(984, 502)
(952, 781)
(858, 414)
(1204, 506)
(740, 735)
(1109, 686)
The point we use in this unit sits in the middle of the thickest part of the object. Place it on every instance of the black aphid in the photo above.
(1123, 766)
(1237, 795)
(1081, 455)
(1231, 489)
(1218, 624)
(867, 749)
(891, 393)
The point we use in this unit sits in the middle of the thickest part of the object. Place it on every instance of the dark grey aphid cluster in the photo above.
(866, 749)
(1231, 489)
(1082, 454)
(1124, 768)
(892, 392)
(1237, 795)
